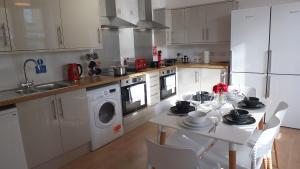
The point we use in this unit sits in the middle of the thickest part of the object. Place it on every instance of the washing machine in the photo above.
(105, 114)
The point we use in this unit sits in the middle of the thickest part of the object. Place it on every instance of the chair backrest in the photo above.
(162, 107)
(281, 110)
(265, 141)
(165, 157)
(246, 90)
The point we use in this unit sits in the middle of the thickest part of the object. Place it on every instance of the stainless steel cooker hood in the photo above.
(145, 16)
(109, 18)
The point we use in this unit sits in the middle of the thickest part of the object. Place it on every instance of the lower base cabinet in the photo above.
(53, 125)
(191, 80)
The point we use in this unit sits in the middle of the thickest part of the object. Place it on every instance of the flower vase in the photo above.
(220, 99)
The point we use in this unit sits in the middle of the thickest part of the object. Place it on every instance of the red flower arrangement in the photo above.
(220, 88)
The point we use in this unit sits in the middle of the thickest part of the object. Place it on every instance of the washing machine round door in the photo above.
(105, 113)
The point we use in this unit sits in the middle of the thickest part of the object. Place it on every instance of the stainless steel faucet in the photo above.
(27, 83)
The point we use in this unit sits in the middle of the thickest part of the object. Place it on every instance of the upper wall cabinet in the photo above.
(203, 24)
(196, 24)
(33, 24)
(80, 24)
(178, 26)
(218, 22)
(4, 36)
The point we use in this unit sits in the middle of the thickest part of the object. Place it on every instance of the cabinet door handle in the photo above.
(61, 108)
(54, 109)
(99, 35)
(59, 35)
(4, 34)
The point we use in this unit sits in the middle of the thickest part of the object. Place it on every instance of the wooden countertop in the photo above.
(98, 81)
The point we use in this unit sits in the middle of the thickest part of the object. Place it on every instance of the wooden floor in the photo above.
(129, 151)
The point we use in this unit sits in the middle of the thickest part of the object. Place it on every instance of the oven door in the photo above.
(167, 86)
(134, 98)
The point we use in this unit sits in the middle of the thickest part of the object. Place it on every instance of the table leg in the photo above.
(232, 156)
(261, 124)
(161, 135)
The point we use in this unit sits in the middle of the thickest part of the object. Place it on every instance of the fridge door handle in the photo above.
(269, 61)
(268, 87)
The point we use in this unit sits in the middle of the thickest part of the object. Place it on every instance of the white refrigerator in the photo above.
(265, 55)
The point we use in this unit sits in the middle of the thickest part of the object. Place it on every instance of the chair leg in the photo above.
(275, 144)
(265, 162)
(270, 163)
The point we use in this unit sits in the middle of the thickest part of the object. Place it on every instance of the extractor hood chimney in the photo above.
(145, 17)
(109, 18)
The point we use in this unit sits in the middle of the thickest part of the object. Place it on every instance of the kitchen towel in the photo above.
(137, 93)
(170, 82)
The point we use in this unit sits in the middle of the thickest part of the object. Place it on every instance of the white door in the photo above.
(74, 119)
(218, 22)
(178, 26)
(285, 39)
(34, 24)
(257, 81)
(250, 39)
(40, 130)
(11, 145)
(81, 23)
(286, 88)
(196, 24)
(4, 36)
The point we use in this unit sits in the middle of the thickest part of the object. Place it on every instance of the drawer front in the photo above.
(154, 99)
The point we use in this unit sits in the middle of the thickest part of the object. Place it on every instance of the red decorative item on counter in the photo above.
(140, 64)
(220, 88)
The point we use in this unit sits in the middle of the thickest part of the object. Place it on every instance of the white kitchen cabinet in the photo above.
(153, 88)
(34, 24)
(209, 78)
(162, 37)
(73, 119)
(285, 39)
(218, 22)
(196, 24)
(178, 32)
(40, 130)
(80, 23)
(53, 125)
(4, 35)
(188, 81)
(257, 81)
(250, 39)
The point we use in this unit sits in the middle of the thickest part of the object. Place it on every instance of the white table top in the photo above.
(237, 134)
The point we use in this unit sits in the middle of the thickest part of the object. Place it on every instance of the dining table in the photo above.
(232, 134)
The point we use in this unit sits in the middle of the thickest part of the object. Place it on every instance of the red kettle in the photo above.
(74, 71)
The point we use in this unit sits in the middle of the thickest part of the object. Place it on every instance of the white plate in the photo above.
(184, 123)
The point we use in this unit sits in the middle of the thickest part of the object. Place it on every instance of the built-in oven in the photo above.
(134, 94)
(167, 83)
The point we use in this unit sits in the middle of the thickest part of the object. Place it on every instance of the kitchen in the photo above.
(55, 111)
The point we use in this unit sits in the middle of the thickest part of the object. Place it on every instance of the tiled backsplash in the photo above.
(218, 52)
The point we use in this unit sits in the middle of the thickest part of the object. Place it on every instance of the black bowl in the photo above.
(240, 111)
(251, 101)
(180, 104)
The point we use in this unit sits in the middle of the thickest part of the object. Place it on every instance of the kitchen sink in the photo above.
(51, 86)
(26, 91)
(42, 88)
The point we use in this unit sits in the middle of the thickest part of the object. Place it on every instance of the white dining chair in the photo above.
(246, 90)
(252, 154)
(280, 112)
(167, 157)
